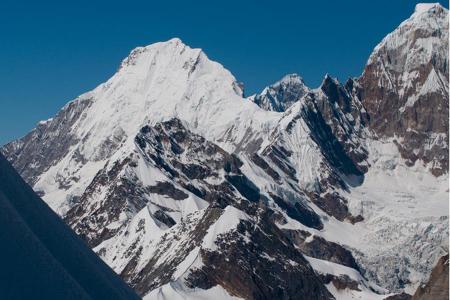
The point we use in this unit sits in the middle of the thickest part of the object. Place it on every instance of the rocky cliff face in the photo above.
(437, 286)
(184, 187)
(404, 88)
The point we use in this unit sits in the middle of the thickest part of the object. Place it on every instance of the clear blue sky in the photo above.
(52, 51)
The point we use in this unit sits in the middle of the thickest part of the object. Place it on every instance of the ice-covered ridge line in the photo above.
(293, 78)
(427, 16)
(424, 7)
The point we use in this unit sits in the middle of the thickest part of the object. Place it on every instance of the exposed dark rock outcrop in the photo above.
(262, 268)
(341, 282)
(437, 286)
(320, 248)
(404, 88)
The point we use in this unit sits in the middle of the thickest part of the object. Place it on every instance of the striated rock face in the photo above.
(404, 88)
(48, 143)
(187, 189)
(437, 286)
(331, 151)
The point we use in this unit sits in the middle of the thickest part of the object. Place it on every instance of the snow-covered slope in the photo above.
(186, 188)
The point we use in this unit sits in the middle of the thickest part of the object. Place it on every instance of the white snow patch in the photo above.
(228, 221)
(177, 291)
(366, 290)
(424, 7)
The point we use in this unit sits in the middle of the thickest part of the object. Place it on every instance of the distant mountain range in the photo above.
(190, 190)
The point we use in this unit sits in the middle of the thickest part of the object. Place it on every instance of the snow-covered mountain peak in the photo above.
(164, 57)
(173, 56)
(161, 81)
(290, 79)
(423, 32)
(428, 16)
(155, 83)
(173, 46)
(282, 94)
(405, 86)
(428, 7)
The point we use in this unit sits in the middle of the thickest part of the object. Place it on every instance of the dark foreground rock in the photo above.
(41, 257)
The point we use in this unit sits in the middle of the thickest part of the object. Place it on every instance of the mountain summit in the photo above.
(282, 94)
(404, 87)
